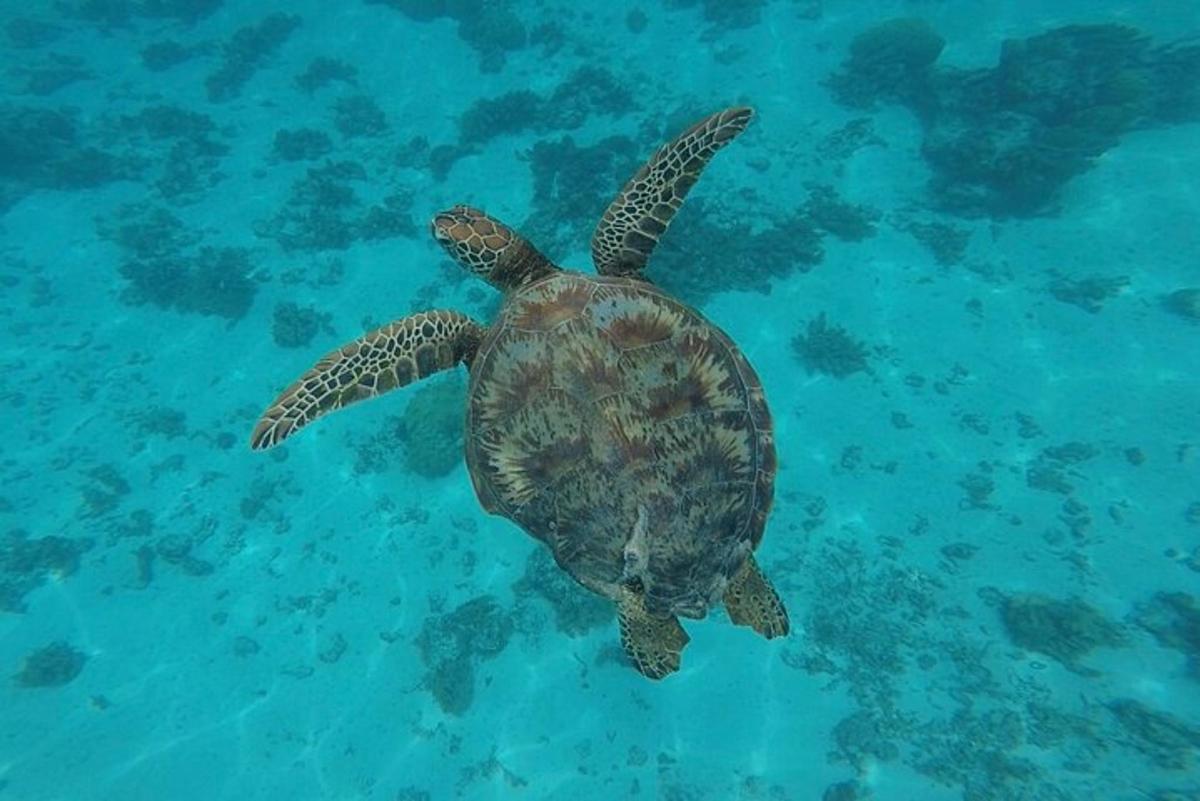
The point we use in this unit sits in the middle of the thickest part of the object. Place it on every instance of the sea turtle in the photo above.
(608, 420)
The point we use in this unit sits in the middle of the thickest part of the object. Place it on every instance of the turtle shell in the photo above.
(625, 431)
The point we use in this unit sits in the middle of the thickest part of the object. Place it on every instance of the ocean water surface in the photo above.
(958, 242)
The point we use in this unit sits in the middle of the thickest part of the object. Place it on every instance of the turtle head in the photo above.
(488, 247)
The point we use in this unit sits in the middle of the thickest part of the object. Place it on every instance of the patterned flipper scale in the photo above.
(751, 601)
(633, 224)
(388, 357)
(653, 644)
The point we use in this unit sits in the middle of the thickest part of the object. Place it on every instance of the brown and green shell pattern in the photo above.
(628, 433)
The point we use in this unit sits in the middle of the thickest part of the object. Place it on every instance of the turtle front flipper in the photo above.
(388, 357)
(752, 601)
(632, 225)
(653, 644)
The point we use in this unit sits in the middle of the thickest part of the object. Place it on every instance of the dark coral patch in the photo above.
(51, 666)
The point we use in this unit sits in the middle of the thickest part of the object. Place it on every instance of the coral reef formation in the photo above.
(51, 666)
(1003, 140)
(947, 243)
(323, 71)
(433, 424)
(293, 326)
(1173, 618)
(125, 13)
(586, 91)
(891, 61)
(830, 349)
(212, 281)
(491, 29)
(1065, 630)
(576, 610)
(164, 268)
(1184, 302)
(324, 212)
(46, 149)
(25, 563)
(828, 212)
(1169, 742)
(301, 144)
(452, 646)
(724, 15)
(246, 52)
(166, 54)
(1088, 293)
(191, 145)
(572, 185)
(359, 116)
(708, 253)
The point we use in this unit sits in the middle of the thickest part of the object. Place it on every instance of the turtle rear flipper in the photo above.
(653, 644)
(631, 226)
(752, 601)
(388, 357)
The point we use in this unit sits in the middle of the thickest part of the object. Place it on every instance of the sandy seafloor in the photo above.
(249, 625)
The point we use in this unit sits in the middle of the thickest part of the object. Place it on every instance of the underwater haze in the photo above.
(958, 242)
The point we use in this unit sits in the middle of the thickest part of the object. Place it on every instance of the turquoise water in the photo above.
(961, 251)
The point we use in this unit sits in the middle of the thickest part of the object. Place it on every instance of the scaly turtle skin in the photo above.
(610, 421)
